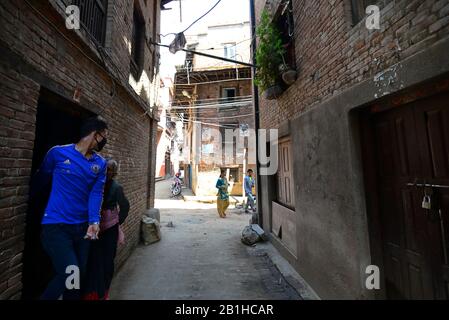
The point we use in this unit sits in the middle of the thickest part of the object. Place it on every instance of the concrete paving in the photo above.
(200, 257)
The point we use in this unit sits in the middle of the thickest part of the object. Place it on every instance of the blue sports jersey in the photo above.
(77, 185)
(248, 184)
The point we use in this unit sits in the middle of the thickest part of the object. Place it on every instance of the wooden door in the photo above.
(412, 150)
(285, 194)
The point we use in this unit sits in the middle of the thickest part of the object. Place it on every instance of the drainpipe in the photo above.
(256, 108)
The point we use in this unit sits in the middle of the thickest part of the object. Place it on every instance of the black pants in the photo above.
(100, 265)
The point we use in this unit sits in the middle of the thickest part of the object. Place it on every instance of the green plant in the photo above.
(269, 53)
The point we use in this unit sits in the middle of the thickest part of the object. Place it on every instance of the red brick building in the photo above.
(221, 99)
(212, 95)
(367, 117)
(50, 79)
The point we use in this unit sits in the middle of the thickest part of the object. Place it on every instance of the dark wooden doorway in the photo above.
(168, 171)
(406, 148)
(58, 122)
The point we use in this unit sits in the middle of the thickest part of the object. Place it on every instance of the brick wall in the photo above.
(18, 103)
(332, 55)
(209, 163)
(35, 55)
(340, 67)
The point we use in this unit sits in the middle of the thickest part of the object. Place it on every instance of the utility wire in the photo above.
(223, 98)
(180, 118)
(201, 115)
(222, 107)
(184, 120)
(206, 55)
(214, 106)
(216, 4)
(221, 48)
(230, 117)
(191, 25)
(218, 102)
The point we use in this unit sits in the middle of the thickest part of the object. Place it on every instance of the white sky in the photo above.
(226, 11)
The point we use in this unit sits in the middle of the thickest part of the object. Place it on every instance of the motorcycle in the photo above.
(175, 187)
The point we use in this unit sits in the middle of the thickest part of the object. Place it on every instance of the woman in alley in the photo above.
(115, 208)
(222, 195)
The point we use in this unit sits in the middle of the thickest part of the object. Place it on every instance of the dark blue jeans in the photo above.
(66, 246)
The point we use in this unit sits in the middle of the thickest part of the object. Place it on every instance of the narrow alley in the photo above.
(272, 149)
(200, 257)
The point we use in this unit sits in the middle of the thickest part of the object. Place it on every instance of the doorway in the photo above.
(58, 122)
(406, 157)
(167, 159)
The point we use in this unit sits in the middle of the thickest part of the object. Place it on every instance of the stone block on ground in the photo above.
(249, 236)
(150, 230)
(259, 231)
(153, 213)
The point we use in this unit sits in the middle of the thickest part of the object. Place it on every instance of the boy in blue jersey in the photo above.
(72, 215)
(248, 184)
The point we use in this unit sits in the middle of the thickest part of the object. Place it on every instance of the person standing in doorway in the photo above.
(72, 216)
(248, 185)
(222, 195)
(100, 266)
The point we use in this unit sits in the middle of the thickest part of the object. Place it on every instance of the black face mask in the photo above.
(101, 144)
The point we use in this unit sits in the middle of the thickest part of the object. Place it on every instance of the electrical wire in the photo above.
(220, 102)
(209, 104)
(207, 116)
(234, 45)
(180, 118)
(213, 106)
(230, 117)
(224, 98)
(194, 22)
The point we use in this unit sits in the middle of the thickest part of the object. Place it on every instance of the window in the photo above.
(229, 50)
(93, 15)
(138, 40)
(229, 94)
(285, 25)
(285, 185)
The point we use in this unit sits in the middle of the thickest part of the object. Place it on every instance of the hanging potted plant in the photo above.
(288, 73)
(269, 56)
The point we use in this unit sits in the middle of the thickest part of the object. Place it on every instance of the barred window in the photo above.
(93, 16)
